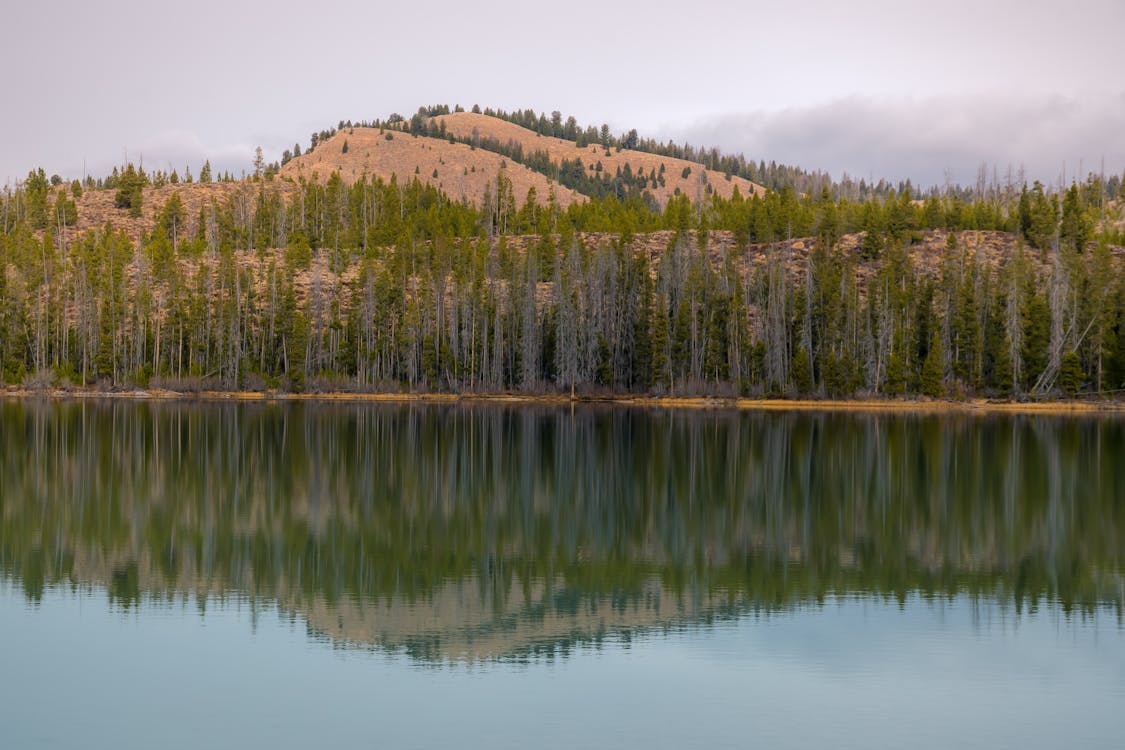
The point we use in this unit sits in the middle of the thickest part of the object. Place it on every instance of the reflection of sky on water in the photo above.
(850, 674)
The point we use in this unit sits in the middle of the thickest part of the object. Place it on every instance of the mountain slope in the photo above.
(462, 171)
(693, 184)
(96, 207)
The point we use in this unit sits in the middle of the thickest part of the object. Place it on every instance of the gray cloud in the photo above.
(927, 139)
(212, 78)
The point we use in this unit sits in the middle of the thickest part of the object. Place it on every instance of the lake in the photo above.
(180, 574)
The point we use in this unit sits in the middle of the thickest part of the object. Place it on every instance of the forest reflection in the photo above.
(489, 531)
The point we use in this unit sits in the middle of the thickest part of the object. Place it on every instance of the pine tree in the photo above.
(1074, 232)
(1036, 321)
(660, 344)
(873, 229)
(801, 372)
(1044, 217)
(933, 382)
(1070, 374)
(36, 188)
(65, 211)
(130, 189)
(896, 375)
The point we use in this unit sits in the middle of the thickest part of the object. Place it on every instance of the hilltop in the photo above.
(457, 169)
(461, 153)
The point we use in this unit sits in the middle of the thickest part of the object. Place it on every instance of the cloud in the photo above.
(927, 139)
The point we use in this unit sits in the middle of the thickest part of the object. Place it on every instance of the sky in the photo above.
(926, 91)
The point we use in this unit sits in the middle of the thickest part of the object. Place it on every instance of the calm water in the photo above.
(180, 575)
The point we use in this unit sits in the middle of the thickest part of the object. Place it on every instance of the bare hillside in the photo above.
(694, 184)
(96, 207)
(461, 171)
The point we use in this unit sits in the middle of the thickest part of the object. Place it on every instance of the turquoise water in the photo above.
(184, 575)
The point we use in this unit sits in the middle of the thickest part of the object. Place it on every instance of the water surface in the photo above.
(181, 574)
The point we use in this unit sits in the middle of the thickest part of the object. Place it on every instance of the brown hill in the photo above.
(693, 185)
(462, 171)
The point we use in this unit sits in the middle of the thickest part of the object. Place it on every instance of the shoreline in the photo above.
(975, 406)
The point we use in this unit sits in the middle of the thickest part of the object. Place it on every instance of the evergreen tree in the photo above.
(130, 189)
(873, 240)
(36, 190)
(65, 210)
(1074, 232)
(661, 351)
(933, 380)
(1070, 374)
(801, 372)
(1043, 219)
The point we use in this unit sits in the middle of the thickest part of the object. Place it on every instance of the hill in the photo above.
(460, 170)
(678, 175)
(457, 169)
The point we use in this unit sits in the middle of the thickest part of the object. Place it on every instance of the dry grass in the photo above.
(96, 209)
(462, 171)
(902, 406)
(462, 124)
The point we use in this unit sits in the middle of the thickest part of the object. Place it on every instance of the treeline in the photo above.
(388, 286)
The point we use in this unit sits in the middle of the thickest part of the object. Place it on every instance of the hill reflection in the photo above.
(483, 531)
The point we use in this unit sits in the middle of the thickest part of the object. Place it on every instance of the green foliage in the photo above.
(1070, 374)
(37, 188)
(1042, 217)
(298, 256)
(170, 222)
(130, 189)
(801, 372)
(65, 212)
(1076, 228)
(873, 238)
(933, 380)
(896, 375)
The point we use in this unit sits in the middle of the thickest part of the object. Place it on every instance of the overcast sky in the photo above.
(920, 90)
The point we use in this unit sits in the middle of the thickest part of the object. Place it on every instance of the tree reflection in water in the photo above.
(486, 531)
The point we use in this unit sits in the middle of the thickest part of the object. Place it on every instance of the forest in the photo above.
(1012, 291)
